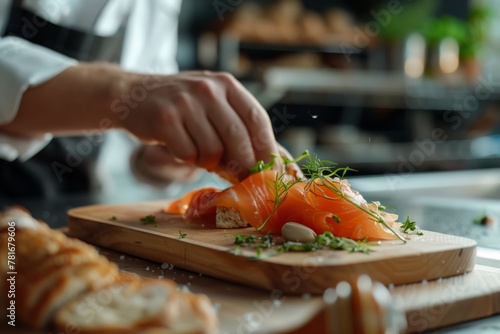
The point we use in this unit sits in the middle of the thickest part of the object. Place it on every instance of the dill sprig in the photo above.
(318, 172)
(324, 172)
(279, 191)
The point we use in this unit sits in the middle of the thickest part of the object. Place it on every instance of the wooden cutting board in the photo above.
(211, 251)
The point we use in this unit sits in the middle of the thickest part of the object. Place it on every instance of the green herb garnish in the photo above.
(242, 239)
(324, 240)
(319, 172)
(262, 166)
(113, 218)
(408, 225)
(327, 239)
(182, 235)
(322, 172)
(279, 191)
(150, 219)
(337, 219)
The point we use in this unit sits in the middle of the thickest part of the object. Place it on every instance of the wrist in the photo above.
(109, 85)
(122, 95)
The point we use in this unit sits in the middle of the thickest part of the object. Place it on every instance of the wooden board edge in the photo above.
(295, 279)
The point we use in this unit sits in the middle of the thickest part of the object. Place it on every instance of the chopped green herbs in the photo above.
(337, 219)
(244, 239)
(149, 219)
(408, 225)
(113, 218)
(325, 240)
(182, 235)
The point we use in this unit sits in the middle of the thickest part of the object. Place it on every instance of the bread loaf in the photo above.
(65, 282)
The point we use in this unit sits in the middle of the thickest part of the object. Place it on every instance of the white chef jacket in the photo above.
(149, 46)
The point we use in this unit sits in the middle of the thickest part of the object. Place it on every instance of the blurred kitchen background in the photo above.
(360, 82)
(393, 86)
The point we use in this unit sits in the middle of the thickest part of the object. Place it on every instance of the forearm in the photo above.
(77, 99)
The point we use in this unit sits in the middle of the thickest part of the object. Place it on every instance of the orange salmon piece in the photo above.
(318, 206)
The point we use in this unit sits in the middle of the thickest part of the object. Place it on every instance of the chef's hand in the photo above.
(208, 119)
(203, 118)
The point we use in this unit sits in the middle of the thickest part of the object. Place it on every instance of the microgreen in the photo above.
(182, 235)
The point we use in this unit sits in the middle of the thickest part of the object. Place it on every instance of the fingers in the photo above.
(211, 120)
(254, 117)
(176, 136)
(239, 153)
(208, 142)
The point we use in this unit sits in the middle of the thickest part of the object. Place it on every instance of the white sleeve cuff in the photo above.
(12, 148)
(23, 64)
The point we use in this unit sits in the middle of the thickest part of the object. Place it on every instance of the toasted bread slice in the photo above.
(228, 218)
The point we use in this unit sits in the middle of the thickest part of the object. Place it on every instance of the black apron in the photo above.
(66, 165)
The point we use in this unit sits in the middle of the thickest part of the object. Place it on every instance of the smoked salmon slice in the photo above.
(322, 205)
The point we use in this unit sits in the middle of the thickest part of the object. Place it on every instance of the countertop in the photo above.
(54, 212)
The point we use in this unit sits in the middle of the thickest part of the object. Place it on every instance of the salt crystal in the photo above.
(391, 286)
(122, 257)
(424, 281)
(164, 266)
(161, 276)
(147, 268)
